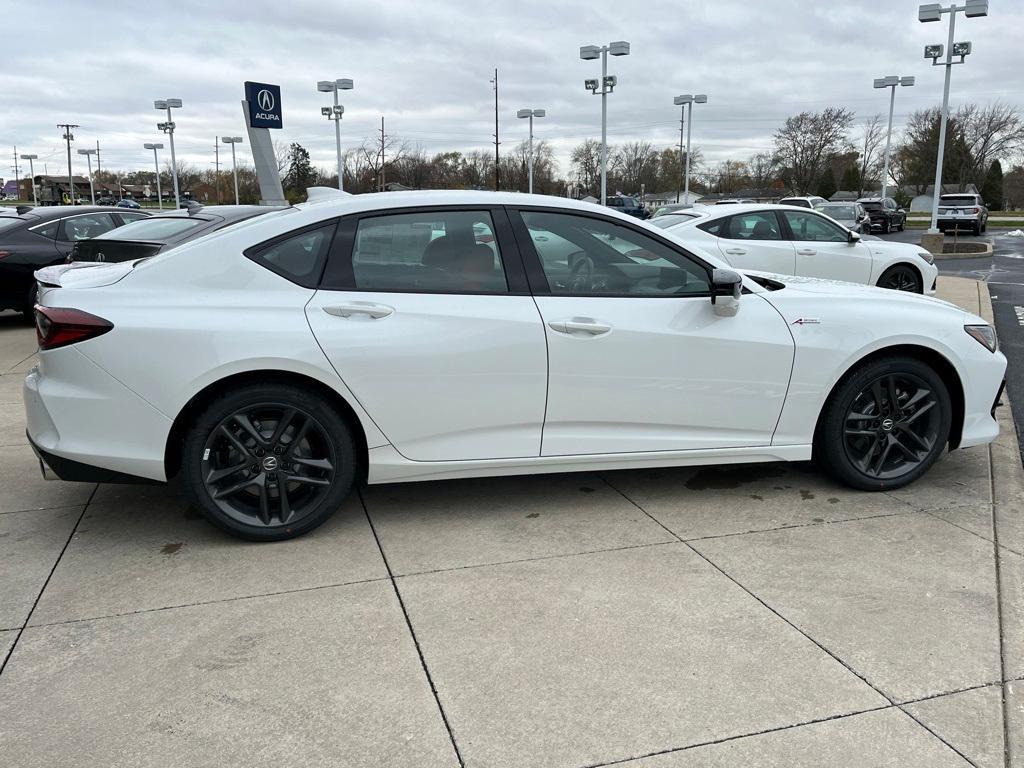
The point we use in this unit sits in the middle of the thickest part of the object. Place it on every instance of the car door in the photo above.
(427, 318)
(638, 361)
(754, 240)
(823, 249)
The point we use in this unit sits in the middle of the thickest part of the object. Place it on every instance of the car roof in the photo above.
(41, 214)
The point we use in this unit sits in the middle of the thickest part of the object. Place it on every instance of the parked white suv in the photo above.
(812, 201)
(963, 211)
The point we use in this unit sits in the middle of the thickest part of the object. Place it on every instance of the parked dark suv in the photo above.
(628, 205)
(38, 237)
(885, 214)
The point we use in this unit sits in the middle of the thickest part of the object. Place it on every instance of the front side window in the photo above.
(298, 257)
(438, 251)
(759, 225)
(807, 226)
(85, 226)
(584, 256)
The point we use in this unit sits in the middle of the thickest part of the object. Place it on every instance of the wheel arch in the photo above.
(936, 360)
(199, 401)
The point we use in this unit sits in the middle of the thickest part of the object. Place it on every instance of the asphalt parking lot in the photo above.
(747, 615)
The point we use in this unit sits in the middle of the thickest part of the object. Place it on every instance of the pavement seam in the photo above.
(412, 631)
(818, 644)
(41, 509)
(199, 603)
(11, 369)
(71, 535)
(968, 530)
(800, 525)
(997, 560)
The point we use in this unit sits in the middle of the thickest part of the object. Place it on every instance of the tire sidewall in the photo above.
(201, 428)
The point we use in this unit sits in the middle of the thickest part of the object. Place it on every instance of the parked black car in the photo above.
(158, 233)
(885, 214)
(628, 205)
(38, 237)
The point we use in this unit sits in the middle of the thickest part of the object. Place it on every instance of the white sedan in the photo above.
(793, 241)
(422, 335)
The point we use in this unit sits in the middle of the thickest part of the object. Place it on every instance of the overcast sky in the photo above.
(426, 65)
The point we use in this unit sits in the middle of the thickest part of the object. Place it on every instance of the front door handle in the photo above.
(580, 325)
(806, 251)
(736, 251)
(360, 309)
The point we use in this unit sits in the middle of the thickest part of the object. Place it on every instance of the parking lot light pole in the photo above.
(333, 86)
(156, 166)
(607, 85)
(88, 158)
(232, 140)
(890, 82)
(32, 174)
(530, 113)
(168, 128)
(685, 103)
(933, 12)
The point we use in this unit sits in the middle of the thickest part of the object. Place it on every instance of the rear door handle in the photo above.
(360, 309)
(736, 251)
(806, 251)
(576, 325)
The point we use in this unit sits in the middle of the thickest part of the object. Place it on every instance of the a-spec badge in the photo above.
(806, 321)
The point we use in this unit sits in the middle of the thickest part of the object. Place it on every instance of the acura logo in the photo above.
(100, 257)
(265, 99)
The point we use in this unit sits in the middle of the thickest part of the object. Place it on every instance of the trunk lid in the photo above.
(83, 274)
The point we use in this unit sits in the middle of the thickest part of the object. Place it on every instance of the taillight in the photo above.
(58, 327)
(976, 210)
(4, 254)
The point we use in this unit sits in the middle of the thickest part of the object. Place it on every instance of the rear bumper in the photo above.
(54, 467)
(959, 222)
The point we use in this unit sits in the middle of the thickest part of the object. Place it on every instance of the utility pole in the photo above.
(17, 174)
(69, 137)
(682, 172)
(381, 153)
(497, 158)
(98, 157)
(216, 165)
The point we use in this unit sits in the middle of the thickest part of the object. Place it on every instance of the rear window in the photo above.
(152, 229)
(9, 223)
(959, 200)
(795, 201)
(876, 206)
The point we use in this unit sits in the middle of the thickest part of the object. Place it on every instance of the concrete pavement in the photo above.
(717, 616)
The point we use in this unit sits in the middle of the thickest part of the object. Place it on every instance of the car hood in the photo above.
(836, 288)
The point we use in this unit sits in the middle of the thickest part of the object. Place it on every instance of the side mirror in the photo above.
(726, 287)
(852, 237)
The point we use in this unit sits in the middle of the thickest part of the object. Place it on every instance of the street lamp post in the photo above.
(168, 128)
(232, 140)
(685, 103)
(934, 12)
(890, 82)
(606, 86)
(32, 173)
(530, 113)
(333, 86)
(88, 157)
(156, 166)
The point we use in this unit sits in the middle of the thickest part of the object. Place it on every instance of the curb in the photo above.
(972, 255)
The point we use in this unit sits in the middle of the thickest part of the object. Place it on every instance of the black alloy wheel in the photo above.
(901, 278)
(269, 462)
(885, 424)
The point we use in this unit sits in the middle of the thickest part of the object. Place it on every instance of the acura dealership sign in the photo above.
(264, 105)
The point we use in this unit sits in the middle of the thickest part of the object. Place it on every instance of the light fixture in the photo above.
(929, 12)
(962, 49)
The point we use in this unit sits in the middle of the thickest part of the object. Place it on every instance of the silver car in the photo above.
(853, 216)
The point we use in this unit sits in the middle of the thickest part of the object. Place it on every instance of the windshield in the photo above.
(152, 229)
(958, 200)
(838, 211)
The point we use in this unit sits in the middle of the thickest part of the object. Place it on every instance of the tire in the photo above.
(902, 226)
(976, 229)
(877, 454)
(885, 227)
(237, 452)
(901, 277)
(30, 301)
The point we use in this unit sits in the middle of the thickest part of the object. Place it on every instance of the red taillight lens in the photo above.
(976, 210)
(4, 254)
(58, 327)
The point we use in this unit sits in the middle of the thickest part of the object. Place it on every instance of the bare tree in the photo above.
(995, 132)
(805, 142)
(635, 165)
(586, 164)
(282, 156)
(871, 159)
(762, 170)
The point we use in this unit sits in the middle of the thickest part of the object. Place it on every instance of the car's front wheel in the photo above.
(885, 425)
(268, 462)
(901, 277)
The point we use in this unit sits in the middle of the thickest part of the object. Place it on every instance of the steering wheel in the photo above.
(581, 277)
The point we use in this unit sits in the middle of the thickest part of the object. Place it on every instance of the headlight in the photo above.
(984, 335)
(926, 256)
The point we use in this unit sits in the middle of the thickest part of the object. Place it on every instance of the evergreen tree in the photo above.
(992, 191)
(851, 179)
(827, 185)
(301, 174)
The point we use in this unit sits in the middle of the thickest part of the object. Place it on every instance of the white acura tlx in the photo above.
(423, 335)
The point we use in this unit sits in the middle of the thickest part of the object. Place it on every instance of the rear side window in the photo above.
(299, 256)
(441, 251)
(759, 225)
(84, 226)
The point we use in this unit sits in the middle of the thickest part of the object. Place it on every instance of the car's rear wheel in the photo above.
(269, 461)
(901, 277)
(885, 425)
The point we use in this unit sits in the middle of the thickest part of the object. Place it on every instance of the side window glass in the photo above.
(807, 226)
(127, 217)
(85, 226)
(299, 257)
(716, 228)
(583, 256)
(49, 231)
(760, 225)
(441, 251)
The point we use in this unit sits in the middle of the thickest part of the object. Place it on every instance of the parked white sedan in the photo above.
(423, 335)
(790, 241)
